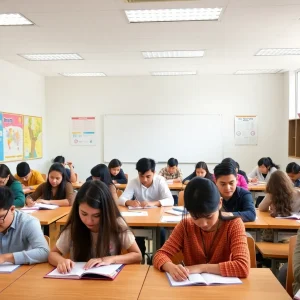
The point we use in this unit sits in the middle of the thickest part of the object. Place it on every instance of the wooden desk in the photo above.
(77, 184)
(260, 285)
(273, 250)
(257, 187)
(178, 186)
(32, 285)
(7, 279)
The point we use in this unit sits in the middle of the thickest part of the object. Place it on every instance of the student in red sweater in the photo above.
(209, 242)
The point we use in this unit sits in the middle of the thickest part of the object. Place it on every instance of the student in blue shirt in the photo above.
(293, 171)
(236, 200)
(21, 238)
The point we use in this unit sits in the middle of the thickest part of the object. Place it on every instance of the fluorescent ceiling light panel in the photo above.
(278, 51)
(262, 71)
(47, 57)
(173, 54)
(14, 19)
(173, 15)
(95, 74)
(173, 73)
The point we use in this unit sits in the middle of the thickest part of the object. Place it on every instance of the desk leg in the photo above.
(258, 235)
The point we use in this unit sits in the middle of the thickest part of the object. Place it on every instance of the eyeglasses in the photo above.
(3, 218)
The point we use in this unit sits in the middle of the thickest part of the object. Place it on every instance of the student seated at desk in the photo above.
(28, 178)
(241, 179)
(95, 232)
(57, 190)
(209, 242)
(201, 170)
(116, 173)
(148, 189)
(282, 197)
(101, 172)
(293, 171)
(171, 171)
(70, 171)
(236, 200)
(21, 238)
(7, 179)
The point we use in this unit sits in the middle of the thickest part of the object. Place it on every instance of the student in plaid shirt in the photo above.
(171, 171)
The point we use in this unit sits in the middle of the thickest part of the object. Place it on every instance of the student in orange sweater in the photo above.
(210, 242)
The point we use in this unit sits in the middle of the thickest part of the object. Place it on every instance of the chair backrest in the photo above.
(47, 239)
(290, 274)
(180, 198)
(44, 176)
(252, 251)
(119, 193)
(126, 175)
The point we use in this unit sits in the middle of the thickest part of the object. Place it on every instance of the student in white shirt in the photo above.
(148, 189)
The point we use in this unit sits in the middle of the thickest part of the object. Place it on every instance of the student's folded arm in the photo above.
(265, 203)
(127, 194)
(39, 248)
(247, 211)
(239, 265)
(172, 246)
(296, 260)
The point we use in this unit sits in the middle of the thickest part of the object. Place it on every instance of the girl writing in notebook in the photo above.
(209, 242)
(95, 232)
(201, 170)
(282, 197)
(56, 190)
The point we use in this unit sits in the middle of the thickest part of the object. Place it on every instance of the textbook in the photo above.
(292, 216)
(204, 279)
(181, 209)
(38, 206)
(8, 268)
(176, 212)
(140, 207)
(104, 272)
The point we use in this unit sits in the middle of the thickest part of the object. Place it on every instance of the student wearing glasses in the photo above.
(21, 238)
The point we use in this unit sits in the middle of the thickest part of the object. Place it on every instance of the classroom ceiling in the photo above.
(98, 30)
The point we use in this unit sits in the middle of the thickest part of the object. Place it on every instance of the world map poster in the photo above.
(33, 137)
(13, 136)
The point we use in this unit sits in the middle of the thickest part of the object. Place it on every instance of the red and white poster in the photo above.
(83, 131)
(13, 136)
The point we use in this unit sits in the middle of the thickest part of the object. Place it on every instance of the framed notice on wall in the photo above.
(245, 130)
(83, 131)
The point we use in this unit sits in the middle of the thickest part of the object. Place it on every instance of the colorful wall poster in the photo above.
(1, 138)
(245, 130)
(33, 137)
(83, 131)
(13, 136)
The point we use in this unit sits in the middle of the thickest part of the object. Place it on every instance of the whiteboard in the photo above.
(189, 138)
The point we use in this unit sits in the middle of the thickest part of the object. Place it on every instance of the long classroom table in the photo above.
(32, 286)
(260, 285)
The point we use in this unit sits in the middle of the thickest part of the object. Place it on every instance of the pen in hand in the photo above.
(182, 263)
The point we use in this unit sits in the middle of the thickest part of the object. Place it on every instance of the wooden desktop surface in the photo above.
(257, 187)
(260, 285)
(127, 285)
(47, 217)
(7, 279)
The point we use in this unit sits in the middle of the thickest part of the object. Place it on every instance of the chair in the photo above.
(180, 198)
(44, 176)
(178, 257)
(290, 274)
(47, 239)
(119, 193)
(126, 175)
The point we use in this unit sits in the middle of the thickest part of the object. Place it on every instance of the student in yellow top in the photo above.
(28, 178)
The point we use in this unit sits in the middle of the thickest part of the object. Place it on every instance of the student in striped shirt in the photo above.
(209, 242)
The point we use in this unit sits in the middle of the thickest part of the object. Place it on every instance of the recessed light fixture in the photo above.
(174, 73)
(14, 19)
(47, 57)
(262, 71)
(278, 51)
(95, 74)
(173, 15)
(173, 54)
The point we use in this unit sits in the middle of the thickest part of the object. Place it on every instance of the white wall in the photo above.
(23, 92)
(261, 95)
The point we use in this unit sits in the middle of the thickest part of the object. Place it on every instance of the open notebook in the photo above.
(104, 272)
(140, 207)
(204, 279)
(295, 216)
(8, 268)
(38, 206)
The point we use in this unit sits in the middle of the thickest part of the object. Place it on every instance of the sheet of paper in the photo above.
(171, 219)
(134, 213)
